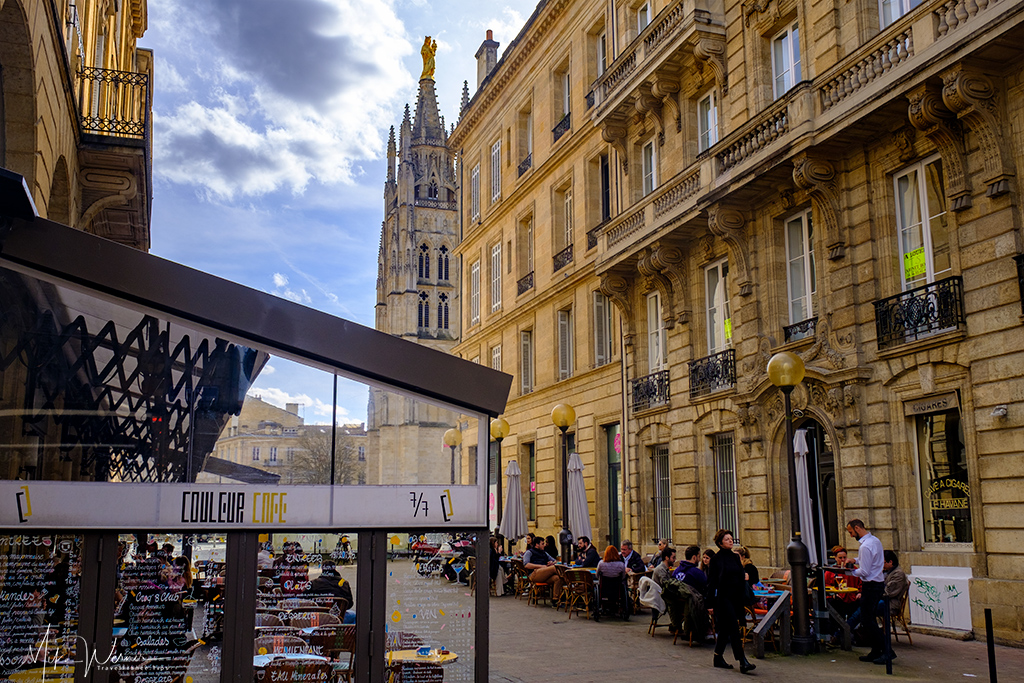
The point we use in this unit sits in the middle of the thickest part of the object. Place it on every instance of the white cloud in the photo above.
(268, 370)
(309, 408)
(280, 280)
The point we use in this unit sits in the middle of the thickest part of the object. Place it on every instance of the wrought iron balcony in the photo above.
(526, 164)
(712, 373)
(650, 391)
(800, 330)
(920, 312)
(113, 102)
(590, 100)
(1019, 258)
(562, 126)
(563, 258)
(592, 235)
(525, 283)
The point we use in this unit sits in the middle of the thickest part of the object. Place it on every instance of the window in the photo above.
(432, 190)
(891, 10)
(524, 247)
(649, 161)
(567, 217)
(725, 481)
(923, 224)
(474, 293)
(255, 452)
(662, 492)
(602, 329)
(273, 454)
(474, 193)
(442, 264)
(496, 171)
(602, 53)
(531, 458)
(496, 357)
(566, 83)
(423, 311)
(718, 312)
(562, 219)
(526, 361)
(442, 312)
(707, 120)
(786, 60)
(423, 270)
(524, 135)
(800, 269)
(496, 277)
(606, 188)
(643, 16)
(362, 454)
(945, 487)
(657, 342)
(290, 454)
(565, 359)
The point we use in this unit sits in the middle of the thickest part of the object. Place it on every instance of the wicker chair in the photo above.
(522, 578)
(307, 619)
(267, 619)
(899, 618)
(579, 591)
(338, 643)
(285, 644)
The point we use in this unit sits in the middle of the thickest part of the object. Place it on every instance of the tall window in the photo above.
(602, 53)
(707, 120)
(662, 492)
(602, 329)
(442, 264)
(255, 452)
(496, 171)
(565, 359)
(567, 216)
(649, 173)
(526, 361)
(657, 345)
(496, 277)
(945, 485)
(273, 454)
(643, 16)
(474, 193)
(800, 267)
(423, 313)
(362, 454)
(719, 316)
(786, 59)
(474, 293)
(531, 458)
(496, 357)
(725, 480)
(442, 312)
(606, 188)
(891, 10)
(423, 270)
(923, 224)
(566, 83)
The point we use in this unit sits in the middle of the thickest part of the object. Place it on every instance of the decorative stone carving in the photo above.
(755, 368)
(709, 48)
(672, 262)
(654, 279)
(728, 224)
(707, 246)
(667, 89)
(752, 7)
(648, 104)
(616, 288)
(972, 96)
(903, 139)
(930, 115)
(749, 416)
(823, 349)
(818, 177)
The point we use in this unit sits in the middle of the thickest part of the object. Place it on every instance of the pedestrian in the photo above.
(726, 585)
(870, 561)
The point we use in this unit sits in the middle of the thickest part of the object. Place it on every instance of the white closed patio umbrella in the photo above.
(513, 517)
(579, 512)
(803, 492)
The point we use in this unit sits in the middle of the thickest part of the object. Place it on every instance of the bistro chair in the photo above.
(522, 578)
(308, 619)
(283, 644)
(633, 583)
(266, 619)
(563, 599)
(471, 574)
(297, 670)
(578, 591)
(899, 618)
(338, 643)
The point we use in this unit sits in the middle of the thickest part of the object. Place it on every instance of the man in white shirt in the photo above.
(870, 562)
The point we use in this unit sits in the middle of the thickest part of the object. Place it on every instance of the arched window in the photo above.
(442, 264)
(442, 312)
(432, 190)
(424, 264)
(423, 318)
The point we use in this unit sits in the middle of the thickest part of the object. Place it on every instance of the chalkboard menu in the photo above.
(40, 579)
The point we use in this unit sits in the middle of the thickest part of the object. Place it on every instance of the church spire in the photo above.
(391, 155)
(405, 137)
(427, 124)
(465, 97)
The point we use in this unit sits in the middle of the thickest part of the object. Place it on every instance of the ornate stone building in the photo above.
(738, 178)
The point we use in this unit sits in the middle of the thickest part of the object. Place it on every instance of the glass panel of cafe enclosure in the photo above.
(40, 585)
(945, 484)
(430, 612)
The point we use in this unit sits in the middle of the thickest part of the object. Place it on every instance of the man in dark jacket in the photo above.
(588, 555)
(689, 573)
(634, 562)
(331, 584)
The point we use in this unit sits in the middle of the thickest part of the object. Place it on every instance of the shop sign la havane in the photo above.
(952, 487)
(233, 507)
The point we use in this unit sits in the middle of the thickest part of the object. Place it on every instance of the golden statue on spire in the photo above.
(428, 51)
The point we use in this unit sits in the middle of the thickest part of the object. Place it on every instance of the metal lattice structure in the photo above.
(113, 102)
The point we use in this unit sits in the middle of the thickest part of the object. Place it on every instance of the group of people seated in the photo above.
(847, 604)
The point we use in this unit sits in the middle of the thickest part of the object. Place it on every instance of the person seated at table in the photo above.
(689, 573)
(587, 555)
(750, 571)
(844, 603)
(840, 558)
(664, 570)
(896, 584)
(551, 548)
(634, 563)
(542, 567)
(330, 584)
(656, 560)
(611, 564)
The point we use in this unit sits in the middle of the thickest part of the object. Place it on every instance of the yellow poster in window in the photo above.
(913, 264)
(728, 329)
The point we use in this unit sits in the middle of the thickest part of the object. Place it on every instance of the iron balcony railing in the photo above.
(563, 258)
(525, 283)
(113, 102)
(800, 330)
(712, 373)
(650, 391)
(920, 312)
(562, 126)
(1019, 258)
(590, 100)
(592, 235)
(526, 164)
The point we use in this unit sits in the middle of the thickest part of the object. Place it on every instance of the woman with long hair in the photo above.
(752, 575)
(551, 548)
(727, 590)
(611, 564)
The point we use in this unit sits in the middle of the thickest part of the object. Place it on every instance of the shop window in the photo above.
(945, 485)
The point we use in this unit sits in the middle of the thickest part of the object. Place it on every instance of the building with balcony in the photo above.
(76, 112)
(836, 180)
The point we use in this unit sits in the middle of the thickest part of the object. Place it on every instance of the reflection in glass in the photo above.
(405, 442)
(945, 486)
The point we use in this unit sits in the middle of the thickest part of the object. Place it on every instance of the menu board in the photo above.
(40, 585)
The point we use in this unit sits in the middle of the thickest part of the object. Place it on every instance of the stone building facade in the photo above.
(838, 180)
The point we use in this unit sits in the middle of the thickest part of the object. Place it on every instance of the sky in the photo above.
(270, 129)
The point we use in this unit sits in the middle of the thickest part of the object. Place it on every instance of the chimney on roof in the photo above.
(486, 58)
(292, 408)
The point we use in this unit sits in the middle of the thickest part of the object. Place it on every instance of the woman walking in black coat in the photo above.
(727, 586)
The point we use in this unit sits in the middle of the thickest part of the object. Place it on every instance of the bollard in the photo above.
(991, 646)
(888, 638)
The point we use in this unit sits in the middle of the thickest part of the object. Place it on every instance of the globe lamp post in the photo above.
(452, 438)
(499, 430)
(563, 416)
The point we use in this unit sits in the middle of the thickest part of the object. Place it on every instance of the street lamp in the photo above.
(786, 370)
(499, 430)
(452, 438)
(563, 416)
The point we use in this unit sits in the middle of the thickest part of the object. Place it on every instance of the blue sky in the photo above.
(270, 130)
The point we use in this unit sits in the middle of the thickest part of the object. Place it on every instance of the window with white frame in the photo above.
(602, 53)
(662, 491)
(786, 59)
(566, 79)
(643, 16)
(602, 329)
(255, 452)
(273, 454)
(525, 361)
(649, 160)
(891, 10)
(496, 171)
(474, 193)
(719, 316)
(726, 506)
(565, 359)
(707, 120)
(567, 216)
(496, 277)
(800, 267)
(496, 357)
(474, 293)
(657, 345)
(923, 224)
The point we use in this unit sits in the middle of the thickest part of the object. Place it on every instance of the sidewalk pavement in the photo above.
(532, 644)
